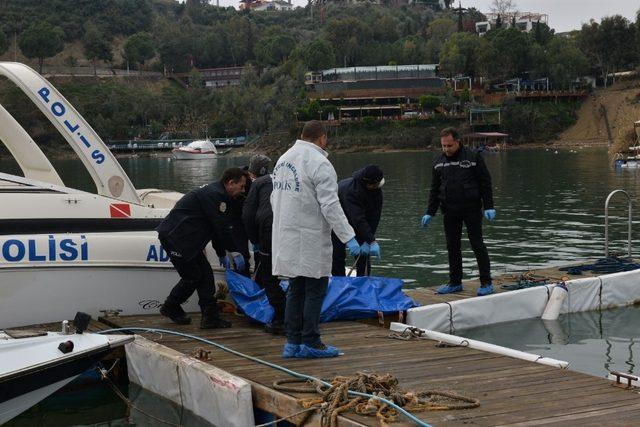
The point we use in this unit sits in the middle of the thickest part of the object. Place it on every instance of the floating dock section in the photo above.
(585, 294)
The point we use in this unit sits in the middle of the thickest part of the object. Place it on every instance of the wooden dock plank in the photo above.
(511, 390)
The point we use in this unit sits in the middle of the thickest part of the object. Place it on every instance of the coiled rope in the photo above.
(334, 400)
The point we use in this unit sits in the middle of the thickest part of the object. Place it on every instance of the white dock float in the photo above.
(209, 392)
(589, 293)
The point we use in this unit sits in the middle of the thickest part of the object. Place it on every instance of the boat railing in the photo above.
(606, 222)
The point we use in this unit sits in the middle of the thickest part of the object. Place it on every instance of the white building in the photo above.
(524, 21)
(273, 5)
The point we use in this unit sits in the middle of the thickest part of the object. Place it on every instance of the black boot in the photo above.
(276, 327)
(175, 313)
(211, 320)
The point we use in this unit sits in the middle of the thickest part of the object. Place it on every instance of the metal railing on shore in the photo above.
(168, 144)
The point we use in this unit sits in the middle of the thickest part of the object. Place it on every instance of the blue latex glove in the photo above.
(375, 250)
(364, 249)
(224, 262)
(354, 247)
(255, 247)
(490, 214)
(238, 261)
(426, 220)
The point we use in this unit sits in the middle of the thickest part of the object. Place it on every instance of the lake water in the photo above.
(85, 402)
(593, 342)
(550, 206)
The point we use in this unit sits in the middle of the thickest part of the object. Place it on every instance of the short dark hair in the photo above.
(451, 131)
(233, 174)
(313, 130)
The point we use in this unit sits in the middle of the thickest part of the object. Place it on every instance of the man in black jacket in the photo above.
(361, 199)
(238, 232)
(258, 218)
(461, 188)
(200, 217)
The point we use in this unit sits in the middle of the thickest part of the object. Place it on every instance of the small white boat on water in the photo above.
(61, 248)
(33, 366)
(200, 149)
(630, 159)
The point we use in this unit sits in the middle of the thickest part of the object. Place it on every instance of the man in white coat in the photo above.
(306, 209)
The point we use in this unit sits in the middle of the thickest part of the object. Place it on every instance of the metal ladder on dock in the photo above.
(606, 222)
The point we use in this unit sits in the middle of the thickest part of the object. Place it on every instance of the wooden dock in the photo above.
(511, 391)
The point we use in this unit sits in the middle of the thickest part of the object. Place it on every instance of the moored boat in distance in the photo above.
(199, 149)
(630, 159)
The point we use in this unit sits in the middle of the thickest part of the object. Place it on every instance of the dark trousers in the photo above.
(302, 313)
(363, 264)
(453, 231)
(270, 284)
(195, 275)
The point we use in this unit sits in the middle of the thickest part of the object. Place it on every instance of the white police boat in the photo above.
(62, 248)
(35, 365)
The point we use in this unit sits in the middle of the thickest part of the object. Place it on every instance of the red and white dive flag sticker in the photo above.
(120, 210)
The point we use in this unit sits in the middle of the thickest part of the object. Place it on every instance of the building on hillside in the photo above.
(215, 78)
(433, 3)
(275, 5)
(266, 5)
(386, 91)
(523, 21)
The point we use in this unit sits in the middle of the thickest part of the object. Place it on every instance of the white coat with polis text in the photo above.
(305, 209)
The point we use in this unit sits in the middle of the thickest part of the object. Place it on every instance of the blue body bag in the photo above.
(348, 298)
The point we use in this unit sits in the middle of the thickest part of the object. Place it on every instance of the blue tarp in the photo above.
(347, 298)
(250, 297)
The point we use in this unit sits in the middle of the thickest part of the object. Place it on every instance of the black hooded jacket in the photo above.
(257, 215)
(460, 183)
(200, 216)
(361, 206)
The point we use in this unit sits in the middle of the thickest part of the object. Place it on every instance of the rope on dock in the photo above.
(526, 280)
(334, 399)
(612, 264)
(380, 399)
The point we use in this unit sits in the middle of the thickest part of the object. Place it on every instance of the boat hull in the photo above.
(12, 408)
(186, 155)
(59, 291)
(32, 368)
(628, 164)
(22, 392)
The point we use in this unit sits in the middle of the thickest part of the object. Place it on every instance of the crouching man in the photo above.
(200, 217)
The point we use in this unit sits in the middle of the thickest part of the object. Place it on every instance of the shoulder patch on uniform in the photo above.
(223, 207)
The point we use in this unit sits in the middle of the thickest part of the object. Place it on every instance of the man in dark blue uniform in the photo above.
(200, 217)
(461, 188)
(361, 199)
(258, 218)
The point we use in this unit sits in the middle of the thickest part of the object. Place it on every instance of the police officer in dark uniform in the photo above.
(258, 218)
(238, 232)
(461, 188)
(200, 217)
(361, 200)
